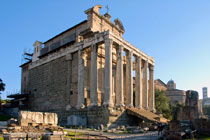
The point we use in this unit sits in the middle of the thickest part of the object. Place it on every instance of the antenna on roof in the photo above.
(107, 8)
(26, 56)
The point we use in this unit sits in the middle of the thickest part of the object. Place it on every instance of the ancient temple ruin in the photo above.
(89, 72)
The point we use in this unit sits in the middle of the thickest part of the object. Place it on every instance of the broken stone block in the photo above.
(50, 118)
(146, 128)
(4, 131)
(15, 136)
(52, 137)
(27, 118)
(58, 133)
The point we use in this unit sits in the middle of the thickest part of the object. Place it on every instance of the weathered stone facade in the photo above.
(191, 110)
(88, 70)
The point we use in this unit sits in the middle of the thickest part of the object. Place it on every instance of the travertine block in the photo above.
(34, 118)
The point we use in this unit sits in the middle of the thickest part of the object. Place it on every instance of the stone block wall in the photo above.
(202, 126)
(187, 113)
(48, 85)
(98, 115)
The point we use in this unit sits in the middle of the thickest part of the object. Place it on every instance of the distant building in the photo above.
(171, 84)
(205, 93)
(160, 85)
(206, 100)
(174, 95)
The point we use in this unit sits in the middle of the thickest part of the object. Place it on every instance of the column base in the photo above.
(120, 105)
(146, 108)
(80, 106)
(93, 105)
(139, 107)
(130, 105)
(153, 110)
(108, 104)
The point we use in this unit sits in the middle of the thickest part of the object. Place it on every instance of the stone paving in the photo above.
(144, 136)
(147, 136)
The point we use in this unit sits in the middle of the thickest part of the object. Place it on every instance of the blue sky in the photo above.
(176, 33)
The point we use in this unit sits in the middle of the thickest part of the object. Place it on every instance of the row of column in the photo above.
(143, 97)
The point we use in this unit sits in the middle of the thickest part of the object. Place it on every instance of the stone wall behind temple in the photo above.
(48, 85)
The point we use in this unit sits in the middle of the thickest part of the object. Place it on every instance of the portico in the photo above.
(122, 64)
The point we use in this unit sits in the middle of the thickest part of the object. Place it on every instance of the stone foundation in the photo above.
(96, 116)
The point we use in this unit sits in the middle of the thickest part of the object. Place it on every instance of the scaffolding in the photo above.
(26, 56)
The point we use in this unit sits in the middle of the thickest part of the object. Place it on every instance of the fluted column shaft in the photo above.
(119, 78)
(108, 73)
(145, 87)
(80, 84)
(93, 76)
(151, 92)
(138, 90)
(129, 79)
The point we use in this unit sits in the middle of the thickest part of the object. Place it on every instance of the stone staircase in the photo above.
(145, 115)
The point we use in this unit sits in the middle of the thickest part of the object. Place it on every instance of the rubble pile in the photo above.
(37, 129)
(33, 125)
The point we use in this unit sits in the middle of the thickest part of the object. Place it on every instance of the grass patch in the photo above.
(4, 118)
(73, 138)
(200, 137)
(71, 133)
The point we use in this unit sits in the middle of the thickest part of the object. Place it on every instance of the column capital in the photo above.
(152, 67)
(138, 58)
(120, 52)
(80, 47)
(130, 54)
(108, 40)
(146, 61)
(121, 46)
(93, 47)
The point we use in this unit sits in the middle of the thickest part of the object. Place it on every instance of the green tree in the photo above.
(2, 86)
(174, 108)
(162, 104)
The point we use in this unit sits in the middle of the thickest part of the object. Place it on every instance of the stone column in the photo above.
(151, 87)
(119, 78)
(138, 90)
(145, 87)
(129, 79)
(68, 80)
(80, 85)
(108, 73)
(94, 77)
